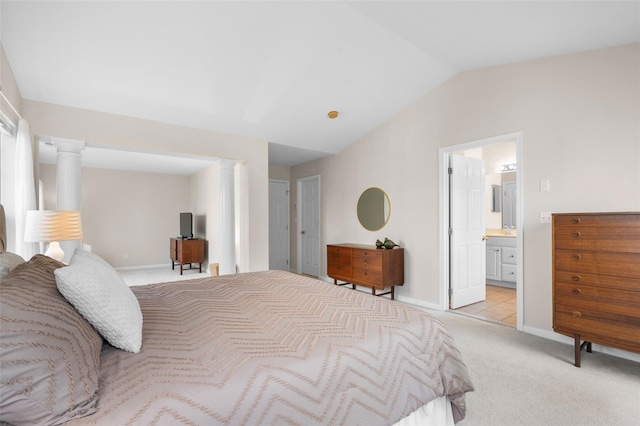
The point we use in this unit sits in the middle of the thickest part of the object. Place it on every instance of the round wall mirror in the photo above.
(373, 209)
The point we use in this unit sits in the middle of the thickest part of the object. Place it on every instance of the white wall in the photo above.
(127, 217)
(59, 121)
(7, 152)
(204, 194)
(579, 116)
(279, 172)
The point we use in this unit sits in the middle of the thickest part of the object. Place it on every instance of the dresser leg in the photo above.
(393, 293)
(579, 347)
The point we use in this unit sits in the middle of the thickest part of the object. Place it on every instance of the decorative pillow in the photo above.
(8, 261)
(49, 354)
(101, 296)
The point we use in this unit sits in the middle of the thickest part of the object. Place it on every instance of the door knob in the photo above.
(302, 232)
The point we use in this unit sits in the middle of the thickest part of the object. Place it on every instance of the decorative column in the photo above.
(227, 218)
(69, 183)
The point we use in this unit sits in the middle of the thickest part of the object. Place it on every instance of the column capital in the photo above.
(226, 163)
(68, 145)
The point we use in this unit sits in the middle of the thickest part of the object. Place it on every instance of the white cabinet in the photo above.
(508, 264)
(501, 261)
(493, 263)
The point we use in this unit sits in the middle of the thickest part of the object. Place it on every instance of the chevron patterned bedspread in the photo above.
(277, 348)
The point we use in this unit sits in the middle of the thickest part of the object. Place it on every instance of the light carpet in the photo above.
(522, 379)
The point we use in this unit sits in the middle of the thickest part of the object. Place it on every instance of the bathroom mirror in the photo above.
(496, 198)
(373, 209)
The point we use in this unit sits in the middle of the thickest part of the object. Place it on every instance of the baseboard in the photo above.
(399, 298)
(551, 335)
(419, 303)
(326, 278)
(132, 268)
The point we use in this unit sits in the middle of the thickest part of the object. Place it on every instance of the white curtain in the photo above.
(25, 188)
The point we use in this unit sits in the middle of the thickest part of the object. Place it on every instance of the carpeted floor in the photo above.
(522, 379)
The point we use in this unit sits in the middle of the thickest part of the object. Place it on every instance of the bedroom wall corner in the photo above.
(136, 236)
(140, 134)
(581, 134)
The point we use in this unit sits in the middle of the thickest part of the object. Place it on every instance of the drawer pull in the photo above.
(576, 314)
(575, 234)
(575, 221)
(576, 257)
(576, 291)
(575, 278)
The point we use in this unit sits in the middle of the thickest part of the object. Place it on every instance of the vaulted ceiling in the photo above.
(273, 70)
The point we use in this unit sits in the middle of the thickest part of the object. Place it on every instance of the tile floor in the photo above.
(499, 307)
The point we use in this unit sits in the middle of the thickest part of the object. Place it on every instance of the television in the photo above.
(186, 226)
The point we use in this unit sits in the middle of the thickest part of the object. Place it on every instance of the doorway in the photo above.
(517, 251)
(308, 220)
(279, 224)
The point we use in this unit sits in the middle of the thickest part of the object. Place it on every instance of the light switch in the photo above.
(544, 185)
(545, 217)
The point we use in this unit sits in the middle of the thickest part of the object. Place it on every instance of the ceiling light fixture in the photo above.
(333, 114)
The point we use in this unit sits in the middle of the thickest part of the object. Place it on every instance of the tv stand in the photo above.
(186, 252)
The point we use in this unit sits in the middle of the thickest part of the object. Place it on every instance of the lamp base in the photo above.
(54, 251)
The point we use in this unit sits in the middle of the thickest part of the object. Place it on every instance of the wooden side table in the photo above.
(186, 252)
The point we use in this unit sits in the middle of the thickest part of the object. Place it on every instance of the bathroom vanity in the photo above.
(501, 259)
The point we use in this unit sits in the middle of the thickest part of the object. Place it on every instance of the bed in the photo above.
(267, 347)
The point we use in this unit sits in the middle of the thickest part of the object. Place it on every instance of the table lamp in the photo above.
(51, 226)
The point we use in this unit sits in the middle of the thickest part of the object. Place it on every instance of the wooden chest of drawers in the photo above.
(186, 252)
(366, 266)
(596, 279)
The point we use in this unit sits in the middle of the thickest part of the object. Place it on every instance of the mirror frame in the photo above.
(386, 214)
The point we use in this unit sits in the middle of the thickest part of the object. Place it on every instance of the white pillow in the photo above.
(100, 295)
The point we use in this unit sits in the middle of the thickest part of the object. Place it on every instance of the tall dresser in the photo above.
(596, 279)
(366, 266)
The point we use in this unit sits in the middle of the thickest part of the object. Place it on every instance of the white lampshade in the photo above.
(51, 226)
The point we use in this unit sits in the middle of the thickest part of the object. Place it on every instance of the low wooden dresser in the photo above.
(596, 279)
(366, 266)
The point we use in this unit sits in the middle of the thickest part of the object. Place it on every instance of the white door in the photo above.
(279, 225)
(467, 231)
(309, 226)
